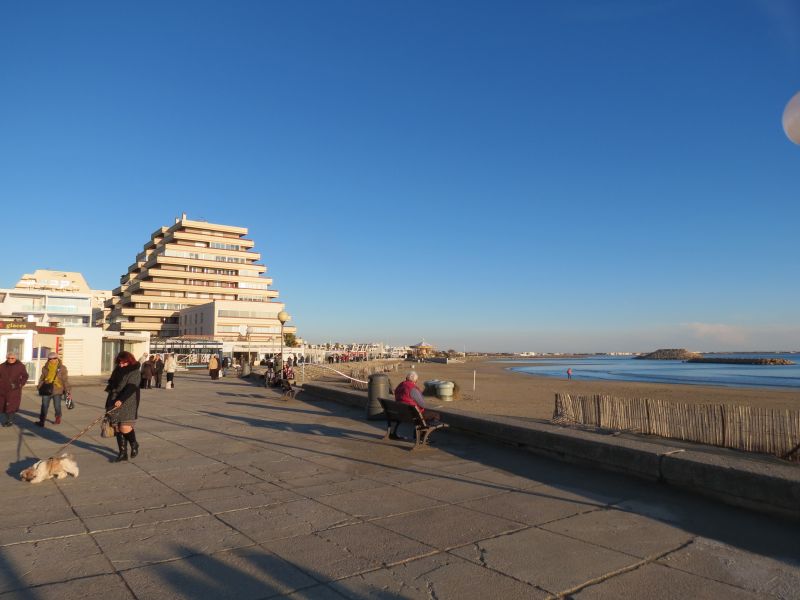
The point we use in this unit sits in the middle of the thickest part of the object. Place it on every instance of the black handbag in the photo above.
(46, 389)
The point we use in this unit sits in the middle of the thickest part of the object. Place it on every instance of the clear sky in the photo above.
(563, 175)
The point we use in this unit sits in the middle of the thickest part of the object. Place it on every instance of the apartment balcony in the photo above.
(246, 254)
(199, 237)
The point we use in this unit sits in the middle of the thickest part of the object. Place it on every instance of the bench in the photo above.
(398, 412)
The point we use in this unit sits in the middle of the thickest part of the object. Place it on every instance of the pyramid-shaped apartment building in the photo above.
(198, 279)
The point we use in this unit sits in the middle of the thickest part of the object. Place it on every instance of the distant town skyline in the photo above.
(505, 176)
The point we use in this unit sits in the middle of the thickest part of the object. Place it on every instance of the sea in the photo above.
(625, 368)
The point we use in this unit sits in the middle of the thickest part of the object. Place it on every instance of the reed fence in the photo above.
(748, 428)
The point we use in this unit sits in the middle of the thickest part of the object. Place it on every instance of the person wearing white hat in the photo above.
(53, 384)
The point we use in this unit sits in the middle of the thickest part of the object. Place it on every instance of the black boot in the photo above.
(123, 448)
(9, 420)
(131, 437)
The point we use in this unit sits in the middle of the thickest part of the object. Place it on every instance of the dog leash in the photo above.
(85, 429)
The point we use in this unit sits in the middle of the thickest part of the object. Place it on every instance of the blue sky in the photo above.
(567, 175)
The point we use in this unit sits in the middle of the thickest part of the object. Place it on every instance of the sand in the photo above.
(499, 391)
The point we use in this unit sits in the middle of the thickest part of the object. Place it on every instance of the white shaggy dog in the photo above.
(57, 467)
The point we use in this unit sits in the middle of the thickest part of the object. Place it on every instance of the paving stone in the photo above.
(50, 561)
(450, 489)
(241, 574)
(100, 587)
(656, 582)
(342, 483)
(203, 478)
(285, 520)
(39, 509)
(297, 477)
(344, 551)
(138, 546)
(527, 507)
(32, 533)
(547, 560)
(506, 481)
(378, 502)
(144, 516)
(318, 592)
(443, 576)
(623, 531)
(242, 497)
(779, 578)
(448, 526)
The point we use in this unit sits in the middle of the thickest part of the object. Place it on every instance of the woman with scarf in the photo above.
(123, 402)
(53, 384)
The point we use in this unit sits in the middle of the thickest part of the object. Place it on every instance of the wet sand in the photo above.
(499, 391)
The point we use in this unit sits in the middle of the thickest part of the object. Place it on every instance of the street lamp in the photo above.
(283, 316)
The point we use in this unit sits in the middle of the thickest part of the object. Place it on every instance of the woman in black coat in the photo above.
(123, 398)
(148, 371)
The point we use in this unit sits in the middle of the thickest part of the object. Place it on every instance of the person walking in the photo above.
(123, 396)
(213, 367)
(158, 365)
(53, 385)
(13, 376)
(147, 372)
(569, 373)
(170, 366)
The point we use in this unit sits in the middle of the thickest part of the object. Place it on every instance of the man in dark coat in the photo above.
(13, 376)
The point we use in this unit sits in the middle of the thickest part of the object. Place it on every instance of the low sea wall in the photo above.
(760, 484)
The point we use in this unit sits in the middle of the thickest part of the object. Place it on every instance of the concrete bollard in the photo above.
(378, 387)
(445, 390)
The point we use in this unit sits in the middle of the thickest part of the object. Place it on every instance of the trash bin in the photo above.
(445, 390)
(378, 387)
(431, 387)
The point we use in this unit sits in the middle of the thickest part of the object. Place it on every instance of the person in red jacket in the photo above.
(13, 376)
(408, 393)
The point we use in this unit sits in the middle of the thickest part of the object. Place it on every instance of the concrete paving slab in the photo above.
(448, 488)
(285, 520)
(50, 561)
(547, 560)
(338, 483)
(227, 499)
(200, 478)
(39, 509)
(157, 542)
(720, 562)
(241, 574)
(318, 592)
(100, 587)
(623, 531)
(448, 526)
(308, 476)
(144, 516)
(528, 507)
(443, 576)
(656, 582)
(33, 533)
(344, 551)
(378, 502)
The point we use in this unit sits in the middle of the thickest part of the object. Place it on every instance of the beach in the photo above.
(499, 391)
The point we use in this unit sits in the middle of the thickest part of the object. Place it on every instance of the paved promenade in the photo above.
(238, 494)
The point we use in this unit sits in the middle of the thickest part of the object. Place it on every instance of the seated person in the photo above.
(408, 393)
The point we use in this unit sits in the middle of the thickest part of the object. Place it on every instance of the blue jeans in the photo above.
(46, 405)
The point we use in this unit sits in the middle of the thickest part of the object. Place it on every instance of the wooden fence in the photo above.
(749, 428)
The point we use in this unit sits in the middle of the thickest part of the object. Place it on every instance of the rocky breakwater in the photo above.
(742, 361)
(670, 354)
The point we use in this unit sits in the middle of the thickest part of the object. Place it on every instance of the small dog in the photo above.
(57, 467)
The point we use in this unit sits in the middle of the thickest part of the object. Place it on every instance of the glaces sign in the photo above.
(24, 325)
